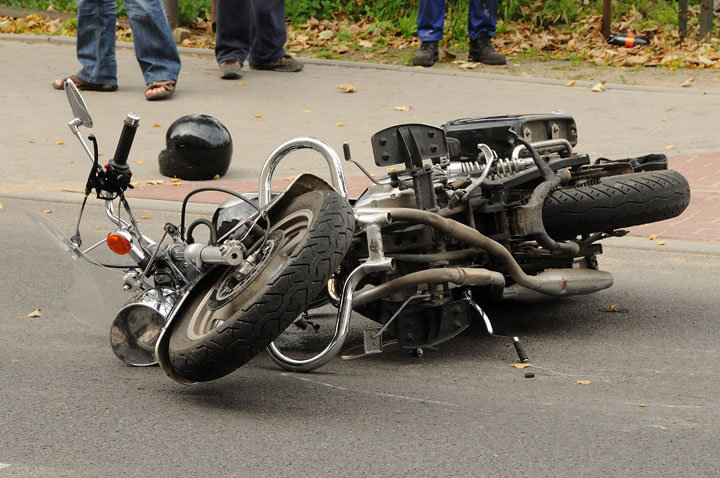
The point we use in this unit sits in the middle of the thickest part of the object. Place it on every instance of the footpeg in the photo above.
(372, 340)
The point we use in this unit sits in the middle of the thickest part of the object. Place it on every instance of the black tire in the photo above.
(616, 202)
(203, 347)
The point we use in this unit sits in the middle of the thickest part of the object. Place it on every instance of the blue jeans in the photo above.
(250, 27)
(155, 47)
(482, 19)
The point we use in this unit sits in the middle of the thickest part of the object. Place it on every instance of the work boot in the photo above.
(427, 54)
(230, 70)
(482, 50)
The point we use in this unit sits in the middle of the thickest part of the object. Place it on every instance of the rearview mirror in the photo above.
(77, 104)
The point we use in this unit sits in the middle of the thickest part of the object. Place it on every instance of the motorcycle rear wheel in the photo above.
(219, 331)
(615, 202)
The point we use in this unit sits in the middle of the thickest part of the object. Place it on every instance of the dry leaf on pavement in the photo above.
(140, 161)
(35, 313)
(403, 108)
(687, 82)
(307, 111)
(1, 206)
(612, 308)
(670, 146)
(217, 176)
(241, 83)
(583, 382)
(660, 243)
(598, 87)
(144, 217)
(59, 142)
(347, 88)
(258, 116)
(570, 83)
(47, 211)
(156, 125)
(339, 124)
(652, 237)
(521, 365)
(289, 178)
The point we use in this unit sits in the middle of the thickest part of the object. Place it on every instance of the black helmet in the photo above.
(198, 147)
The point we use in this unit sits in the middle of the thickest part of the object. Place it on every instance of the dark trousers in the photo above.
(252, 29)
(482, 19)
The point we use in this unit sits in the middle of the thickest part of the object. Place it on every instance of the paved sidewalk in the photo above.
(40, 157)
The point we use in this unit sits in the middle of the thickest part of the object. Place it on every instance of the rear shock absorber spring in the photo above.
(505, 167)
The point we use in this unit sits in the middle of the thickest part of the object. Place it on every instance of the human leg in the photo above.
(269, 36)
(96, 41)
(233, 29)
(155, 47)
(482, 21)
(431, 17)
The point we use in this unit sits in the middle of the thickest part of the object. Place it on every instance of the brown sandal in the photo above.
(83, 85)
(168, 85)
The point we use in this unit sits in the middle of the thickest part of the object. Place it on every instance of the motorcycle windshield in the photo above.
(96, 294)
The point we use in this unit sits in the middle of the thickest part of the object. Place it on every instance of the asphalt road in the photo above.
(70, 408)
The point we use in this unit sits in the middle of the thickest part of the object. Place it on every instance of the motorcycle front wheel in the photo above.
(229, 321)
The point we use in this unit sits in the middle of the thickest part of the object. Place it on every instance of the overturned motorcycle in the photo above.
(483, 209)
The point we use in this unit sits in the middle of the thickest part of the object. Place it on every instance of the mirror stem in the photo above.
(73, 125)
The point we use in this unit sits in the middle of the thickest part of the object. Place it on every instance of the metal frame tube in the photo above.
(337, 175)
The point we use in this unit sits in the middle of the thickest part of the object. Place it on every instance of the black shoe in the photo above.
(482, 50)
(427, 54)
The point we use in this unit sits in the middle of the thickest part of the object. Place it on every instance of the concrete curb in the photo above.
(58, 40)
(641, 243)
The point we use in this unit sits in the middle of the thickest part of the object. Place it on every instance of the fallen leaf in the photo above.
(583, 382)
(97, 227)
(59, 142)
(258, 116)
(31, 141)
(660, 243)
(449, 55)
(666, 119)
(144, 217)
(366, 44)
(612, 308)
(307, 111)
(598, 87)
(670, 146)
(217, 176)
(1, 206)
(141, 387)
(176, 180)
(521, 365)
(156, 125)
(469, 65)
(339, 124)
(140, 161)
(403, 108)
(241, 83)
(35, 313)
(47, 211)
(455, 379)
(642, 405)
(391, 170)
(687, 82)
(289, 178)
(570, 83)
(652, 237)
(347, 88)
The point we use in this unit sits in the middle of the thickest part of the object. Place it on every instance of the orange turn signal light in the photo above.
(119, 242)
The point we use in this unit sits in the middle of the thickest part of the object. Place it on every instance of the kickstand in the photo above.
(486, 320)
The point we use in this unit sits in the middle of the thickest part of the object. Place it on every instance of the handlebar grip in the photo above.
(127, 136)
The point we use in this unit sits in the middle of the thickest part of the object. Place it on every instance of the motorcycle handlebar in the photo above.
(126, 139)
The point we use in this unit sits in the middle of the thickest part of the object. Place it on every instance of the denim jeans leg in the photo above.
(234, 30)
(155, 47)
(269, 31)
(431, 19)
(96, 41)
(482, 18)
